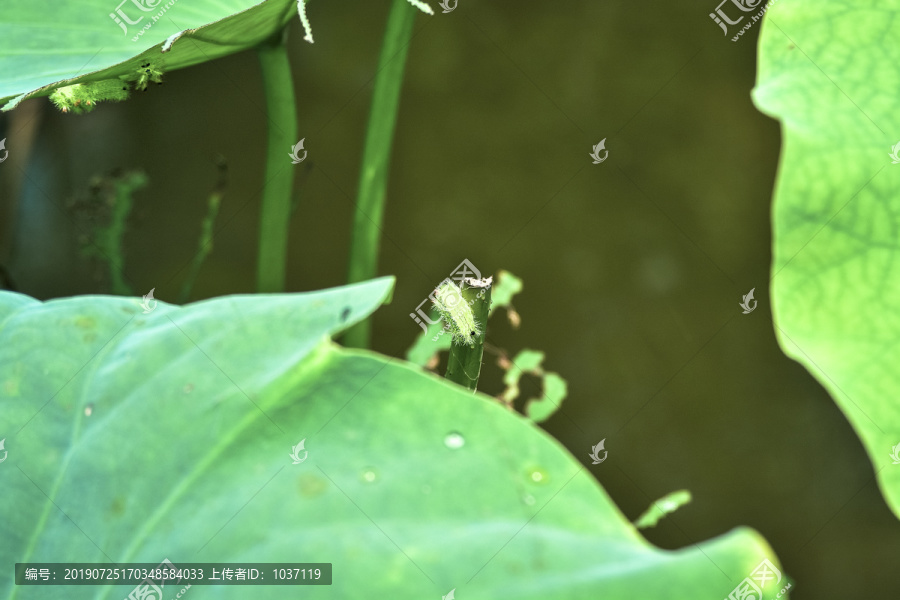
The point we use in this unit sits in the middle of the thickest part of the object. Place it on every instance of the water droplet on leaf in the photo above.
(538, 475)
(454, 441)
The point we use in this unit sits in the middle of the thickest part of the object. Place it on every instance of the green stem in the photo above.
(110, 239)
(278, 87)
(206, 233)
(464, 365)
(373, 175)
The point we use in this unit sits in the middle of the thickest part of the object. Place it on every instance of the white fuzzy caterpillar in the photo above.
(457, 313)
(307, 29)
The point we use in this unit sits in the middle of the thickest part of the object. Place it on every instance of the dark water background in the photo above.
(633, 268)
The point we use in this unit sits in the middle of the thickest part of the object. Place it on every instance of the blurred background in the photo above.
(633, 268)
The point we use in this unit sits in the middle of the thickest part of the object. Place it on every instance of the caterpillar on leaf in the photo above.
(301, 10)
(147, 73)
(82, 97)
(457, 313)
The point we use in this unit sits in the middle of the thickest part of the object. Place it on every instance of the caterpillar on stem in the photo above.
(457, 313)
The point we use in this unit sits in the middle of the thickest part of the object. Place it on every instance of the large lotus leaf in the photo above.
(137, 437)
(828, 70)
(44, 46)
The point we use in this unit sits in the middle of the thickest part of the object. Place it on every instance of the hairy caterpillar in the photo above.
(146, 74)
(82, 97)
(307, 29)
(457, 313)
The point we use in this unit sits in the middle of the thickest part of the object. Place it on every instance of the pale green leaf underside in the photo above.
(45, 46)
(185, 455)
(828, 71)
